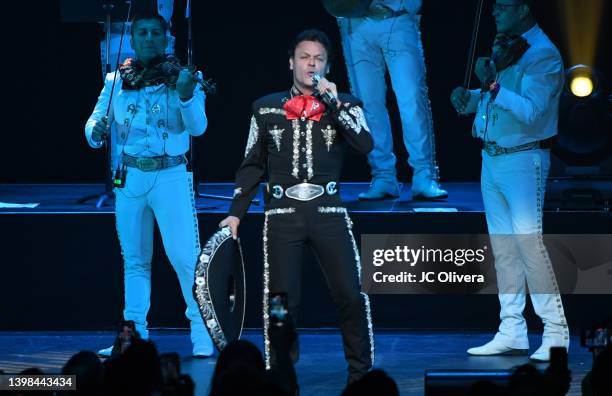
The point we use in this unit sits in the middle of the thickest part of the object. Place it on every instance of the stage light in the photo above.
(581, 86)
(582, 80)
(581, 168)
(584, 119)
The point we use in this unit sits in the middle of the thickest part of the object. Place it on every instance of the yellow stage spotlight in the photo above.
(581, 80)
(581, 86)
(584, 137)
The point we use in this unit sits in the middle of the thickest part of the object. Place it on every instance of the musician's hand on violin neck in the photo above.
(485, 70)
(185, 84)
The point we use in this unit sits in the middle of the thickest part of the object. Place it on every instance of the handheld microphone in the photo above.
(327, 97)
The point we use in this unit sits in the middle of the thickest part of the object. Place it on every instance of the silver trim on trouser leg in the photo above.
(540, 230)
(195, 216)
(434, 165)
(366, 298)
(266, 280)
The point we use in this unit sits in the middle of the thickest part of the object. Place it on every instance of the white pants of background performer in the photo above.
(370, 47)
(513, 187)
(167, 197)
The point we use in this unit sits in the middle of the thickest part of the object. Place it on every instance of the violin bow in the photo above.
(472, 53)
(189, 34)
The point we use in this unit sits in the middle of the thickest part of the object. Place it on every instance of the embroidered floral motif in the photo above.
(296, 149)
(280, 211)
(360, 117)
(277, 135)
(348, 122)
(309, 157)
(202, 293)
(268, 110)
(328, 134)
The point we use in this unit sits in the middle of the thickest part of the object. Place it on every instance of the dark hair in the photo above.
(88, 370)
(527, 380)
(137, 371)
(375, 381)
(149, 16)
(316, 36)
(240, 356)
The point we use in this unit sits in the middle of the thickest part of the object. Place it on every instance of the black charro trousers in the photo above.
(323, 225)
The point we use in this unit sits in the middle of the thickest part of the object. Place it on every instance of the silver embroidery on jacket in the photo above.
(329, 134)
(277, 135)
(253, 136)
(360, 117)
(309, 156)
(296, 149)
(348, 122)
(272, 110)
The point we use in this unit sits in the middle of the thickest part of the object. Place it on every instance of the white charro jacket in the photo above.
(526, 108)
(150, 121)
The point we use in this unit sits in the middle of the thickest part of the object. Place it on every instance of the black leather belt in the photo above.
(380, 12)
(149, 164)
(302, 191)
(493, 149)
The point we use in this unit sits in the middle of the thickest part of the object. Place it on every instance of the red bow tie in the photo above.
(304, 106)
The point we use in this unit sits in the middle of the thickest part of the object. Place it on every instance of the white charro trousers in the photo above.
(371, 47)
(513, 187)
(167, 197)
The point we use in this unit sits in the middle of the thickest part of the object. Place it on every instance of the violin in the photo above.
(162, 70)
(507, 50)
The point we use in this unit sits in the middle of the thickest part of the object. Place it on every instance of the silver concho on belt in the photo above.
(220, 287)
(277, 191)
(330, 188)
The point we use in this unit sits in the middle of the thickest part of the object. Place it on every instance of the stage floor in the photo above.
(321, 369)
(62, 198)
(562, 195)
(63, 253)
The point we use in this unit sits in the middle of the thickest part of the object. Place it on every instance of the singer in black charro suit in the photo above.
(300, 143)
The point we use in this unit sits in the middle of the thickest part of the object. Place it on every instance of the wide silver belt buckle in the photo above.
(146, 164)
(304, 191)
(493, 150)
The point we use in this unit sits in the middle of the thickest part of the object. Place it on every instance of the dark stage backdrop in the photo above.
(54, 78)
